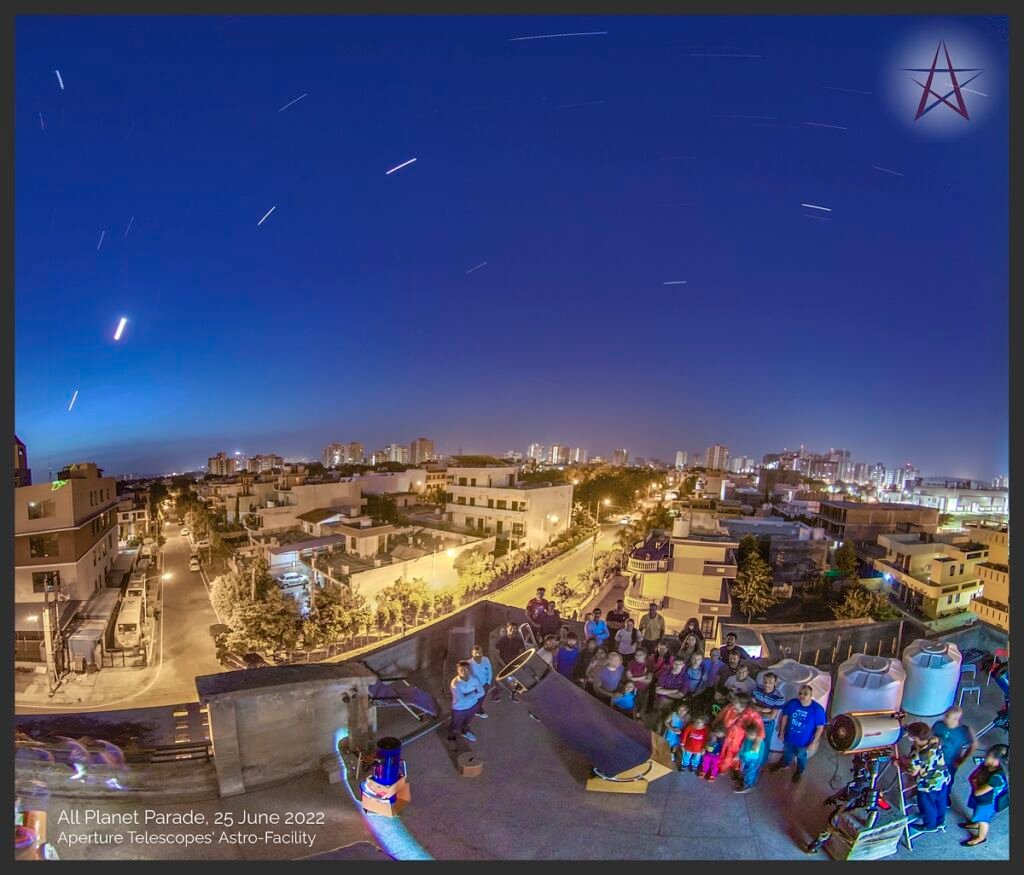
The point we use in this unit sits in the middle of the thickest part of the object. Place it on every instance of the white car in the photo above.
(193, 564)
(293, 578)
(625, 521)
(184, 530)
(203, 543)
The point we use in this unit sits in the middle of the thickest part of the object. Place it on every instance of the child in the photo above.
(694, 740)
(750, 759)
(675, 723)
(625, 700)
(712, 754)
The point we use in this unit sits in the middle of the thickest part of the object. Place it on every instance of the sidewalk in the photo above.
(81, 690)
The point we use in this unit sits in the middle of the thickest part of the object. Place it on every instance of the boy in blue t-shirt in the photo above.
(566, 656)
(801, 725)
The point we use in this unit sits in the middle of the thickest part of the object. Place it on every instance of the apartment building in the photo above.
(959, 499)
(22, 473)
(222, 465)
(65, 543)
(716, 458)
(687, 574)
(283, 507)
(132, 517)
(934, 574)
(265, 462)
(421, 451)
(491, 501)
(865, 521)
(620, 458)
(334, 455)
(993, 605)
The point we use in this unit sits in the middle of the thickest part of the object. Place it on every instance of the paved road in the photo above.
(184, 649)
(569, 565)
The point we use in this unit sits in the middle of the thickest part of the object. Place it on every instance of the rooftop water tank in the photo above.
(933, 672)
(868, 683)
(791, 676)
(681, 528)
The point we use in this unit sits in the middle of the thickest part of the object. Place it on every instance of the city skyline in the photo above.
(239, 242)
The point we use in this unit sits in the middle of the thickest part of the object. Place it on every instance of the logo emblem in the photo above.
(955, 88)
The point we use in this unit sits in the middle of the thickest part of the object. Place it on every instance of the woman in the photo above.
(988, 782)
(735, 719)
(657, 661)
(692, 627)
(583, 662)
(690, 646)
(597, 665)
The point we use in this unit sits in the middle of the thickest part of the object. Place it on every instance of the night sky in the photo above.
(585, 172)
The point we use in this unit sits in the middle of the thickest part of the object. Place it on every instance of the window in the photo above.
(45, 581)
(37, 510)
(957, 598)
(961, 567)
(490, 502)
(472, 502)
(92, 498)
(472, 481)
(462, 481)
(502, 504)
(43, 545)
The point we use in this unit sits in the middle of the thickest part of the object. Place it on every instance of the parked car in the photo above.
(193, 564)
(626, 520)
(203, 543)
(293, 578)
(184, 531)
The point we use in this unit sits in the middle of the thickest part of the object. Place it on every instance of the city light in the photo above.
(166, 575)
(450, 553)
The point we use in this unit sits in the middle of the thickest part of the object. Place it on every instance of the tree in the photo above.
(435, 495)
(267, 624)
(561, 591)
(382, 509)
(337, 613)
(753, 587)
(748, 545)
(861, 602)
(157, 494)
(846, 561)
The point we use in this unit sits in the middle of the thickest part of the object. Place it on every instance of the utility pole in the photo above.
(252, 591)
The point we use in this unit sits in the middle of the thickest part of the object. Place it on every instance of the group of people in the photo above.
(714, 714)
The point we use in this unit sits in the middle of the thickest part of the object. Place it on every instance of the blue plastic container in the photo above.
(388, 767)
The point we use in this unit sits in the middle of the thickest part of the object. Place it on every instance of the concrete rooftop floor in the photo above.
(530, 802)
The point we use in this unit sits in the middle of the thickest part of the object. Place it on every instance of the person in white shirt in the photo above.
(626, 640)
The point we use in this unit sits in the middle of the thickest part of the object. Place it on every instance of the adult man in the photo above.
(800, 727)
(597, 628)
(535, 608)
(769, 702)
(957, 742)
(652, 627)
(509, 646)
(548, 649)
(480, 668)
(741, 682)
(928, 769)
(731, 647)
(610, 677)
(466, 694)
(732, 665)
(617, 617)
(566, 657)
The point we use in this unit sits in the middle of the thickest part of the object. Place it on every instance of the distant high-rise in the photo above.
(421, 450)
(1001, 481)
(578, 456)
(717, 458)
(513, 456)
(356, 454)
(559, 454)
(398, 453)
(620, 458)
(536, 453)
(22, 474)
(334, 455)
(681, 458)
(221, 465)
(265, 462)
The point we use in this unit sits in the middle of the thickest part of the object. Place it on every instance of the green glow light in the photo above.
(57, 485)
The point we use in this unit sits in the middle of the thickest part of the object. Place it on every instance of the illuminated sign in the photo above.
(57, 485)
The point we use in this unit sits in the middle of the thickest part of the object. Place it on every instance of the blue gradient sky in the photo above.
(349, 316)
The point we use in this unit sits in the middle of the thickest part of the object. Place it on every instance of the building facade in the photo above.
(65, 543)
(334, 455)
(993, 605)
(356, 453)
(491, 501)
(421, 451)
(681, 458)
(265, 462)
(22, 473)
(717, 458)
(578, 456)
(865, 521)
(536, 453)
(222, 465)
(620, 458)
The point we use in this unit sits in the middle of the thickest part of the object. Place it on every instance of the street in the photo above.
(569, 565)
(183, 651)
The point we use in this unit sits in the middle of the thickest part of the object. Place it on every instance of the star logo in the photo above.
(928, 86)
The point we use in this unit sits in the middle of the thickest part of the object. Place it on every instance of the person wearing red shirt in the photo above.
(694, 739)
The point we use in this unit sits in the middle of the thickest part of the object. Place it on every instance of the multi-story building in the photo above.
(222, 464)
(536, 453)
(559, 455)
(281, 509)
(22, 473)
(398, 453)
(959, 499)
(717, 458)
(1001, 481)
(993, 605)
(65, 542)
(936, 577)
(620, 458)
(578, 456)
(795, 550)
(490, 500)
(356, 453)
(265, 462)
(132, 517)
(687, 574)
(421, 451)
(513, 456)
(334, 455)
(681, 458)
(741, 464)
(862, 521)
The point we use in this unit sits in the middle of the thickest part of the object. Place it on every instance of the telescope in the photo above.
(624, 755)
(859, 731)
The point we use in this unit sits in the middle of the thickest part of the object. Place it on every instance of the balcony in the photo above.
(641, 566)
(719, 569)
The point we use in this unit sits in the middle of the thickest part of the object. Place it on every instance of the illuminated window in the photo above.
(45, 581)
(40, 546)
(39, 509)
